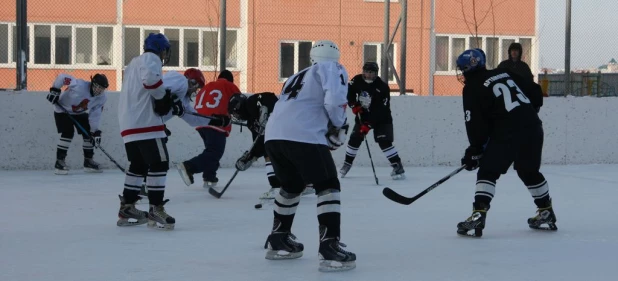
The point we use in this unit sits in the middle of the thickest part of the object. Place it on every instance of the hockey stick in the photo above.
(217, 193)
(79, 126)
(214, 118)
(392, 195)
(369, 152)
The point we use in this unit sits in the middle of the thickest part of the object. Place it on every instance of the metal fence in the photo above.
(267, 41)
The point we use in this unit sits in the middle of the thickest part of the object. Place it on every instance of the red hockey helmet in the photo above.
(195, 77)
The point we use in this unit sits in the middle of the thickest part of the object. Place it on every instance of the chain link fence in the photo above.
(268, 41)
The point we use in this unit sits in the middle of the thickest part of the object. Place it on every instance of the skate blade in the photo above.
(334, 266)
(126, 222)
(154, 225)
(183, 174)
(61, 172)
(549, 227)
(464, 233)
(399, 177)
(209, 184)
(282, 255)
(91, 170)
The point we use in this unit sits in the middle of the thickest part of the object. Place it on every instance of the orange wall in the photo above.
(512, 17)
(180, 12)
(42, 79)
(63, 11)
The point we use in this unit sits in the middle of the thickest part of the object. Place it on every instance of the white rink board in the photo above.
(429, 131)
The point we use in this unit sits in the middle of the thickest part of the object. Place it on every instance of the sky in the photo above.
(594, 32)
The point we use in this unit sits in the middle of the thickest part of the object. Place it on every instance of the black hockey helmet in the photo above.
(370, 71)
(236, 107)
(98, 84)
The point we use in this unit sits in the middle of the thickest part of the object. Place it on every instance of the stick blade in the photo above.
(396, 197)
(215, 193)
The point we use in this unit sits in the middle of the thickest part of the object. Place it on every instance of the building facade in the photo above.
(266, 40)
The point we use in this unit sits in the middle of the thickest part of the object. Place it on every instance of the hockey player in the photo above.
(142, 102)
(255, 110)
(84, 101)
(500, 111)
(308, 119)
(370, 100)
(212, 100)
(181, 88)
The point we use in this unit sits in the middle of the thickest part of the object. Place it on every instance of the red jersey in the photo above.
(213, 99)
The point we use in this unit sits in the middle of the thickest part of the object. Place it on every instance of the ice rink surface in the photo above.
(63, 228)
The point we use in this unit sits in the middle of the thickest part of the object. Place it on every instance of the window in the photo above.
(173, 35)
(373, 52)
(294, 57)
(231, 48)
(63, 45)
(83, 45)
(210, 41)
(4, 43)
(441, 53)
(505, 48)
(132, 44)
(458, 45)
(192, 47)
(526, 45)
(449, 47)
(42, 44)
(105, 40)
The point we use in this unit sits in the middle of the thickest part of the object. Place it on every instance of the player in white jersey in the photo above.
(142, 102)
(308, 119)
(84, 101)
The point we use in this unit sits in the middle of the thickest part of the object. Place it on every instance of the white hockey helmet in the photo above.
(324, 50)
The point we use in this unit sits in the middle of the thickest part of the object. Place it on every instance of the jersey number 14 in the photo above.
(296, 85)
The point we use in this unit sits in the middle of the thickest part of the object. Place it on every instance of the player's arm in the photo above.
(333, 78)
(192, 120)
(352, 95)
(152, 77)
(55, 91)
(386, 91)
(477, 127)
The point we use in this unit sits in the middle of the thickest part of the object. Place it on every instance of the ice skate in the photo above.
(91, 167)
(186, 176)
(211, 183)
(398, 173)
(283, 245)
(332, 256)
(128, 215)
(345, 169)
(270, 194)
(61, 167)
(475, 222)
(159, 219)
(308, 190)
(544, 216)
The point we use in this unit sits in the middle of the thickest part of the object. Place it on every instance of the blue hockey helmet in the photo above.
(158, 44)
(469, 61)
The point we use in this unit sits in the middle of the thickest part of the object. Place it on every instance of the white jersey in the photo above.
(76, 99)
(141, 85)
(310, 100)
(179, 86)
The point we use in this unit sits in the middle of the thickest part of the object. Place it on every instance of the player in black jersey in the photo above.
(503, 128)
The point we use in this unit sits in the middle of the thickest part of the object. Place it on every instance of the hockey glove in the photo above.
(336, 136)
(54, 94)
(245, 161)
(365, 128)
(357, 109)
(220, 121)
(472, 158)
(163, 106)
(95, 138)
(177, 108)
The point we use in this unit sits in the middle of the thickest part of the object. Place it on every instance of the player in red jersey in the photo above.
(212, 100)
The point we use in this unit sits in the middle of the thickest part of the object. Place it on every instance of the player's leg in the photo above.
(281, 242)
(528, 164)
(316, 165)
(90, 165)
(154, 152)
(215, 148)
(273, 181)
(64, 127)
(384, 136)
(497, 158)
(129, 215)
(356, 139)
